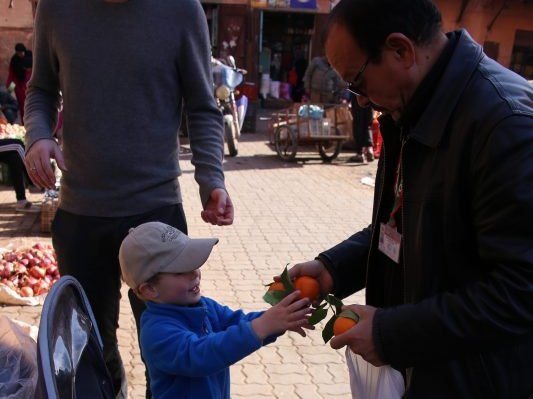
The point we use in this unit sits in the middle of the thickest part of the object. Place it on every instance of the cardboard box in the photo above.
(341, 116)
(315, 127)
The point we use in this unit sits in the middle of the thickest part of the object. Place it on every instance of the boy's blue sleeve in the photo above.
(176, 350)
(229, 317)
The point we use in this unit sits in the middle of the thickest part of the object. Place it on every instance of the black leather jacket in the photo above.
(465, 327)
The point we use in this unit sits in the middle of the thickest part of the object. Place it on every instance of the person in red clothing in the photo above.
(20, 68)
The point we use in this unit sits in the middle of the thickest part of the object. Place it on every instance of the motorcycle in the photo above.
(226, 78)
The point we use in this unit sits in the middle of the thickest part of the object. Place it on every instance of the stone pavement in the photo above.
(285, 213)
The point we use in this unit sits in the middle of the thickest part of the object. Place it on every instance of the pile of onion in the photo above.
(29, 271)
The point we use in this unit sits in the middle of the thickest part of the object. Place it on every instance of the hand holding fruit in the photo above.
(360, 337)
(289, 314)
(316, 269)
(344, 321)
(310, 288)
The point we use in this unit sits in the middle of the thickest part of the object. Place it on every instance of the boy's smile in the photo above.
(179, 288)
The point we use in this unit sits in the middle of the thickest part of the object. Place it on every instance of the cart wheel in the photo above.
(286, 143)
(330, 149)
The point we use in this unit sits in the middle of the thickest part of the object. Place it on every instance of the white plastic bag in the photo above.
(371, 382)
(9, 296)
(18, 362)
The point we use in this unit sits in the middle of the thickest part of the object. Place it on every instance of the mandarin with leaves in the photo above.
(308, 287)
(276, 286)
(344, 321)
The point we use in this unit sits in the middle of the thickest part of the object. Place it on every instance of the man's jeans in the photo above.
(87, 248)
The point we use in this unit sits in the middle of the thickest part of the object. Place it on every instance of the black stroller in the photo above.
(69, 347)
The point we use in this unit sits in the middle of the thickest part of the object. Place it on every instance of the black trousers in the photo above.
(11, 153)
(362, 120)
(87, 248)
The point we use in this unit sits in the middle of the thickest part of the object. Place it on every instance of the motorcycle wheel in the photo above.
(231, 135)
(236, 122)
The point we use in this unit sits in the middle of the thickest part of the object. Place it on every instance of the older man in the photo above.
(447, 262)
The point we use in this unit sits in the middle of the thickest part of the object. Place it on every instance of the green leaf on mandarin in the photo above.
(327, 332)
(317, 316)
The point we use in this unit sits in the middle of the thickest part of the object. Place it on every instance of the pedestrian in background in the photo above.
(119, 151)
(321, 82)
(20, 69)
(189, 341)
(296, 74)
(447, 262)
(8, 105)
(362, 118)
(12, 155)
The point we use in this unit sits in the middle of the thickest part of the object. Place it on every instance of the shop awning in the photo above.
(297, 6)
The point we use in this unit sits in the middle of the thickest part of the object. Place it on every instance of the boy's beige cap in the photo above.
(155, 247)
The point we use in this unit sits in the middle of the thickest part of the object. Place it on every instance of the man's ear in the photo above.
(403, 48)
(148, 291)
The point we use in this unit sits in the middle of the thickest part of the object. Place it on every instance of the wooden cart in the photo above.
(327, 131)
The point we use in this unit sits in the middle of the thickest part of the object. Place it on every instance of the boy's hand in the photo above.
(289, 314)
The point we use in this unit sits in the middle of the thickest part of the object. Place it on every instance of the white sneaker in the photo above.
(369, 154)
(27, 206)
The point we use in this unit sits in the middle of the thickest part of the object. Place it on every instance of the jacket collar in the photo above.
(433, 122)
(423, 93)
(193, 315)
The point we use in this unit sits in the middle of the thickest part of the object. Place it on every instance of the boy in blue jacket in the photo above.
(189, 341)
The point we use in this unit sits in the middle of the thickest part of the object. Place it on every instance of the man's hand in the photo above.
(316, 269)
(38, 165)
(359, 338)
(219, 208)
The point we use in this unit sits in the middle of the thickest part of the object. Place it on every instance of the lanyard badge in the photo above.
(389, 238)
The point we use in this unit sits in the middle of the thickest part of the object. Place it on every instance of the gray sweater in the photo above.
(125, 70)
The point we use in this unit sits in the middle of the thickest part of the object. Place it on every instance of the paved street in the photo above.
(285, 213)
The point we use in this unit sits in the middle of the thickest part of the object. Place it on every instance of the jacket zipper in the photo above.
(402, 243)
(382, 183)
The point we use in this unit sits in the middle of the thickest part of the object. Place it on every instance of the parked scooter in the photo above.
(226, 78)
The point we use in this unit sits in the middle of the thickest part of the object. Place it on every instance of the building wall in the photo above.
(16, 25)
(479, 14)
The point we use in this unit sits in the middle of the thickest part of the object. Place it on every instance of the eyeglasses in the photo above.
(353, 86)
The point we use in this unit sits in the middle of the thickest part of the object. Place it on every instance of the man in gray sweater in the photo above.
(124, 70)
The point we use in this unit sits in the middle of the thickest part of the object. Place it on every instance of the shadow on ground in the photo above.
(15, 224)
(266, 158)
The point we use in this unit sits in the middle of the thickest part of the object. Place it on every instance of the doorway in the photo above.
(285, 49)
